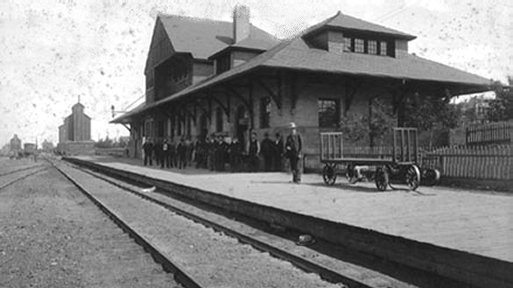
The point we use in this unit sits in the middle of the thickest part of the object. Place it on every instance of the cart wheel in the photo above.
(351, 174)
(381, 178)
(328, 174)
(430, 177)
(412, 177)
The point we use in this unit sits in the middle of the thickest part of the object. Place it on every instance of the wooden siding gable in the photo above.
(161, 47)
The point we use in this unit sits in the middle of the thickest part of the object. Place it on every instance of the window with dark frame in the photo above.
(219, 119)
(383, 48)
(359, 45)
(265, 112)
(328, 110)
(366, 46)
(348, 47)
(222, 64)
(372, 47)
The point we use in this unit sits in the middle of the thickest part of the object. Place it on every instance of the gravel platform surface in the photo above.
(53, 236)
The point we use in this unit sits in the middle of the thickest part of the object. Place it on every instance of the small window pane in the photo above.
(383, 48)
(328, 113)
(347, 44)
(372, 47)
(359, 46)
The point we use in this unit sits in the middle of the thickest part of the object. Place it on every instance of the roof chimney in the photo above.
(241, 27)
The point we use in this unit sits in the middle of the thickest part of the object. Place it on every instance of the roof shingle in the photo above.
(204, 37)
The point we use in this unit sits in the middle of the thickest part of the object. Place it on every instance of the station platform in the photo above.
(464, 235)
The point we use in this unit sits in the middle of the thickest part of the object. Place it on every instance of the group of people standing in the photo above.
(216, 152)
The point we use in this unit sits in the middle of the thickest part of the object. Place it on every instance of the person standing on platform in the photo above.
(181, 151)
(188, 151)
(253, 151)
(148, 151)
(293, 147)
(219, 154)
(211, 153)
(278, 153)
(172, 153)
(235, 153)
(164, 155)
(266, 149)
(156, 151)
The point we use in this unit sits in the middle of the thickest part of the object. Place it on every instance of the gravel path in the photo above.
(53, 236)
(211, 258)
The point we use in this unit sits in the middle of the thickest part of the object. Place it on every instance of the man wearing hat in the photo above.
(293, 147)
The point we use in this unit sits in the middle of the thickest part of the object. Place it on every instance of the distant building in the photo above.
(474, 110)
(77, 126)
(47, 146)
(75, 132)
(29, 148)
(15, 143)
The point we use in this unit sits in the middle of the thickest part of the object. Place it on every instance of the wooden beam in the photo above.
(250, 110)
(190, 114)
(237, 95)
(275, 96)
(127, 127)
(223, 106)
(293, 93)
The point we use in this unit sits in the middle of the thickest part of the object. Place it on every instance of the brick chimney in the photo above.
(241, 27)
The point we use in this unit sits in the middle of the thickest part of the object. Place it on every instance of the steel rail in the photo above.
(326, 273)
(21, 178)
(179, 274)
(19, 170)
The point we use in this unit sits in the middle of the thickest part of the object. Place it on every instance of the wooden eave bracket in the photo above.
(127, 127)
(275, 96)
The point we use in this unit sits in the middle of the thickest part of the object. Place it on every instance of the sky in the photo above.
(52, 52)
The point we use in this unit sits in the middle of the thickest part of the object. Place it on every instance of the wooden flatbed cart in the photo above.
(398, 164)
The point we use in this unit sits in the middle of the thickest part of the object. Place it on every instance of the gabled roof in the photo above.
(204, 37)
(346, 22)
(295, 54)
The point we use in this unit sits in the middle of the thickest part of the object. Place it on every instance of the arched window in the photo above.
(219, 119)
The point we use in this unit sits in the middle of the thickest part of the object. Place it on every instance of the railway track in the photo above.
(11, 177)
(341, 273)
(5, 173)
(278, 273)
(179, 276)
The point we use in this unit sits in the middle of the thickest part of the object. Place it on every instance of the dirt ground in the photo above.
(53, 236)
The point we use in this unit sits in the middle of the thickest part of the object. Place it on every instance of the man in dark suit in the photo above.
(293, 147)
(148, 151)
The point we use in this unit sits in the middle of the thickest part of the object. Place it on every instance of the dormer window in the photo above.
(367, 46)
(372, 47)
(223, 63)
(348, 47)
(359, 45)
(383, 48)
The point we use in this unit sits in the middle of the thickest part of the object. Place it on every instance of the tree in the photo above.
(431, 112)
(501, 108)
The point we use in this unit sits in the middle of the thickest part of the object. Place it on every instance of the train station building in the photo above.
(206, 76)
